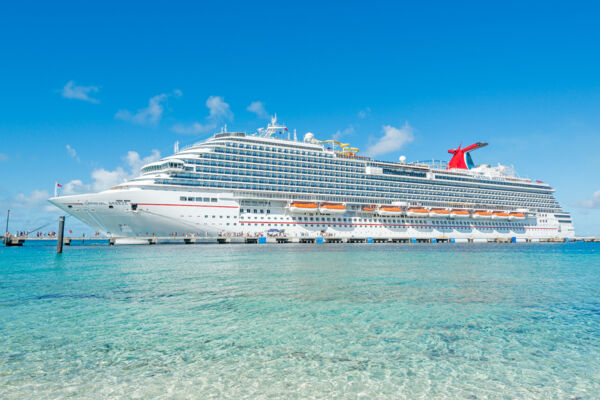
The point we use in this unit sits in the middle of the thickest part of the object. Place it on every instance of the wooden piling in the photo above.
(61, 232)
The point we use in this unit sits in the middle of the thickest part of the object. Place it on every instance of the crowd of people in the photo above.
(50, 234)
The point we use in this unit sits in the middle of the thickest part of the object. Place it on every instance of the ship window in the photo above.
(190, 199)
(182, 198)
(213, 200)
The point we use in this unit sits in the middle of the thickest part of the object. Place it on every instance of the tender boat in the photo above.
(417, 212)
(368, 209)
(303, 207)
(390, 210)
(482, 215)
(459, 214)
(500, 215)
(332, 208)
(439, 212)
(516, 215)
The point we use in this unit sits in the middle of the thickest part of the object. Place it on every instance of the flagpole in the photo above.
(55, 188)
(6, 232)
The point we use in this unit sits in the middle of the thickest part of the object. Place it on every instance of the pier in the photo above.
(150, 240)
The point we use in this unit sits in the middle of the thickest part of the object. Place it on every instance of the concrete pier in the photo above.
(69, 241)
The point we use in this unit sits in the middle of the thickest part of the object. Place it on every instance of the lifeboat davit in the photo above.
(368, 209)
(417, 212)
(516, 215)
(332, 208)
(439, 212)
(500, 215)
(482, 215)
(303, 207)
(390, 210)
(459, 214)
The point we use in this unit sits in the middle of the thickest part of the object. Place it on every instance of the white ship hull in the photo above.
(162, 213)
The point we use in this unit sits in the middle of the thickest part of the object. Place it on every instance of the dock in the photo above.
(150, 240)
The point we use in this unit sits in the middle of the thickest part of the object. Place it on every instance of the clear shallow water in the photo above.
(301, 321)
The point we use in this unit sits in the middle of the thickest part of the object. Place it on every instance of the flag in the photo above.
(56, 186)
(285, 129)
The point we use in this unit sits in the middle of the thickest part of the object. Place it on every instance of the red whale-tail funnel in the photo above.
(461, 158)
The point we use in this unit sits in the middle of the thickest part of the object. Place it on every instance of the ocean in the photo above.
(301, 321)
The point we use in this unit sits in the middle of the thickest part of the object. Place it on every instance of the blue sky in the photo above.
(90, 91)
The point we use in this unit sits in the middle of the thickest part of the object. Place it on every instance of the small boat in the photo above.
(482, 215)
(390, 210)
(459, 214)
(303, 207)
(417, 212)
(500, 215)
(368, 209)
(439, 212)
(332, 208)
(516, 215)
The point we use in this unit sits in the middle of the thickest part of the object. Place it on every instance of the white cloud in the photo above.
(393, 139)
(35, 198)
(364, 113)
(150, 115)
(135, 162)
(3, 157)
(104, 179)
(341, 133)
(72, 91)
(72, 152)
(218, 109)
(194, 128)
(145, 116)
(593, 202)
(73, 187)
(258, 108)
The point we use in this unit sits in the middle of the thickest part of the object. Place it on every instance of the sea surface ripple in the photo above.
(483, 321)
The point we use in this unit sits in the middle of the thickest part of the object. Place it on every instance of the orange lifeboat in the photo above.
(482, 215)
(332, 208)
(417, 212)
(439, 212)
(459, 214)
(500, 215)
(368, 209)
(390, 210)
(516, 215)
(303, 207)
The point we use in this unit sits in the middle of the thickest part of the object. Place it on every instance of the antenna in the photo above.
(176, 147)
(295, 137)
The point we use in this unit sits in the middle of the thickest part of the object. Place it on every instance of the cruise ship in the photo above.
(269, 182)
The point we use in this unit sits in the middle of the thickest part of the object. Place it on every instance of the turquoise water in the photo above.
(301, 321)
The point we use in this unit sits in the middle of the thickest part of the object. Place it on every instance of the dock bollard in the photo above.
(61, 232)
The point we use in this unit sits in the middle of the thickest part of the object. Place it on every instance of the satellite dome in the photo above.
(309, 137)
(402, 159)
